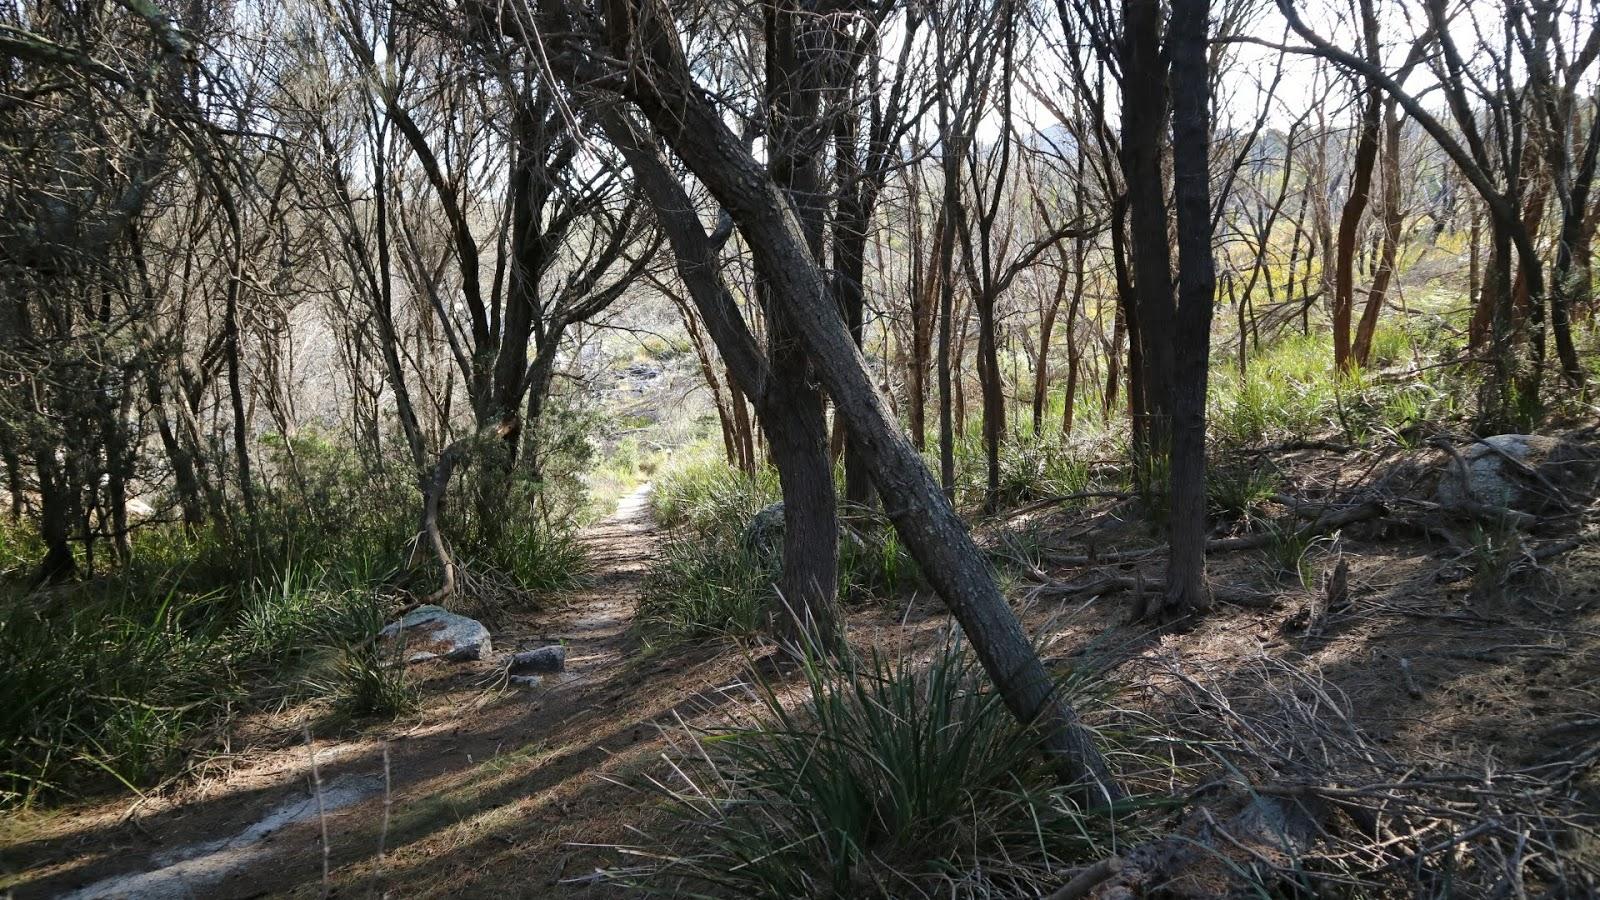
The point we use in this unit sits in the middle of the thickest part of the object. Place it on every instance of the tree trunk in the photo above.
(1186, 589)
(914, 502)
(1392, 218)
(1144, 112)
(56, 503)
(1569, 284)
(741, 425)
(1355, 205)
(1041, 362)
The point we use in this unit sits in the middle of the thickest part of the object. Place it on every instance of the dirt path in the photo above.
(485, 790)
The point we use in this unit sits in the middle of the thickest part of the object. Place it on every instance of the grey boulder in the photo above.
(763, 535)
(433, 632)
(1531, 473)
(543, 661)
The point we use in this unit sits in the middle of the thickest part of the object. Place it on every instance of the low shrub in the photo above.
(701, 584)
(104, 682)
(704, 495)
(892, 776)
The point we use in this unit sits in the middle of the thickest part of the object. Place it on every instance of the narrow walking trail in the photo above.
(485, 790)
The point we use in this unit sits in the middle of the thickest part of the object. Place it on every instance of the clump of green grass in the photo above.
(892, 776)
(1036, 466)
(101, 685)
(1292, 391)
(873, 563)
(20, 547)
(701, 586)
(706, 579)
(367, 678)
(538, 558)
(703, 494)
(1238, 491)
(108, 684)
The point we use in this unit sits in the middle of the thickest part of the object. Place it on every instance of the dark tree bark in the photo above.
(795, 426)
(1361, 351)
(913, 501)
(1355, 205)
(1144, 114)
(1191, 140)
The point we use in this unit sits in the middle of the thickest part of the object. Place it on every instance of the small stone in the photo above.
(433, 632)
(543, 660)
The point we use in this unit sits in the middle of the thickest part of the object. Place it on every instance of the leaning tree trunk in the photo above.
(913, 500)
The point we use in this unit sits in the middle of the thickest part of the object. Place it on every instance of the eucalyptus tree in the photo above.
(534, 217)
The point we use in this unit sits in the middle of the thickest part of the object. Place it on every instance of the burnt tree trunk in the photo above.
(1191, 141)
(1144, 113)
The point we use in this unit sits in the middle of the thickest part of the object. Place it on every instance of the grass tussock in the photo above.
(891, 776)
(710, 578)
(1290, 390)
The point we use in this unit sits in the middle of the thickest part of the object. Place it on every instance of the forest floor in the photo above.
(485, 789)
(490, 790)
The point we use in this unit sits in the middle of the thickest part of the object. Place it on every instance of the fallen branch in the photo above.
(1037, 505)
(1106, 584)
(1087, 879)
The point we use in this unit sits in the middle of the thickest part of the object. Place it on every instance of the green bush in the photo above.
(872, 560)
(705, 495)
(892, 775)
(107, 682)
(1291, 392)
(701, 584)
(20, 547)
(99, 685)
(705, 580)
(1237, 491)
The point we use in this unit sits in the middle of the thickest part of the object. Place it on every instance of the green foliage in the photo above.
(367, 678)
(1291, 391)
(1032, 467)
(893, 774)
(872, 560)
(1289, 549)
(706, 584)
(704, 495)
(1237, 491)
(1036, 466)
(20, 547)
(704, 580)
(105, 681)
(114, 680)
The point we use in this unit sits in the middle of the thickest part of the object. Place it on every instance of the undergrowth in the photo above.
(893, 775)
(712, 575)
(118, 679)
(1291, 391)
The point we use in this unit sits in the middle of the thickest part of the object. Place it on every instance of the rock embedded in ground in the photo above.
(763, 535)
(543, 661)
(1525, 472)
(433, 632)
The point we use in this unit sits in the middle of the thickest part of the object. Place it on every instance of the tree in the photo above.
(655, 79)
